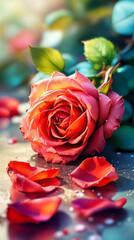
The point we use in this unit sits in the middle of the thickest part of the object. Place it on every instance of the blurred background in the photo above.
(63, 25)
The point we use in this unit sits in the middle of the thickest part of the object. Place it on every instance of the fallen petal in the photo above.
(95, 171)
(33, 211)
(26, 178)
(87, 207)
(32, 173)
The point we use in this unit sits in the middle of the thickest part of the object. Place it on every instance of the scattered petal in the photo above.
(12, 140)
(95, 171)
(87, 207)
(32, 179)
(33, 211)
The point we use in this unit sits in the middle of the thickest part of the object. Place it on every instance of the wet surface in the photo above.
(108, 225)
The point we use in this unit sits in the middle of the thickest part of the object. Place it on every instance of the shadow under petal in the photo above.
(40, 231)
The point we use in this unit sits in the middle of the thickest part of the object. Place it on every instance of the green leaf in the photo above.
(128, 111)
(47, 60)
(123, 138)
(99, 51)
(123, 17)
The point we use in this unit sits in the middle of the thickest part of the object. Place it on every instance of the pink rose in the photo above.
(67, 116)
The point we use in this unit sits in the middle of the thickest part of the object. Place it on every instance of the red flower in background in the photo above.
(33, 211)
(68, 116)
(95, 171)
(32, 179)
(8, 107)
(87, 207)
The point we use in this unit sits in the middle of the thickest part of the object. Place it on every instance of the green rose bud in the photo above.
(99, 51)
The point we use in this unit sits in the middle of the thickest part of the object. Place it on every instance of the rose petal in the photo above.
(105, 103)
(62, 154)
(87, 207)
(90, 102)
(94, 171)
(115, 114)
(96, 142)
(33, 211)
(57, 74)
(89, 88)
(32, 179)
(37, 90)
(25, 185)
(32, 173)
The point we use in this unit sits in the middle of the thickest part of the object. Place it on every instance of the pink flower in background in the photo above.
(67, 116)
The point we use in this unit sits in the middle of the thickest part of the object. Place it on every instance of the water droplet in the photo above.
(118, 153)
(94, 237)
(80, 228)
(129, 219)
(79, 194)
(71, 209)
(58, 234)
(109, 221)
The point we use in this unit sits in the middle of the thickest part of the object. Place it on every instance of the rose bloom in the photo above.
(68, 116)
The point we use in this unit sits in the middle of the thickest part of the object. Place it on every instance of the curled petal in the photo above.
(96, 142)
(115, 114)
(32, 179)
(37, 90)
(88, 207)
(89, 88)
(32, 173)
(23, 184)
(94, 171)
(57, 74)
(33, 211)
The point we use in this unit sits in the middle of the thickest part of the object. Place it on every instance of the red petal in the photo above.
(104, 103)
(94, 171)
(33, 211)
(96, 142)
(11, 104)
(32, 179)
(89, 88)
(87, 207)
(32, 173)
(115, 114)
